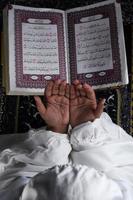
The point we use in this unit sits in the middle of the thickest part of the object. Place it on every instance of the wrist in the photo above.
(59, 129)
(77, 123)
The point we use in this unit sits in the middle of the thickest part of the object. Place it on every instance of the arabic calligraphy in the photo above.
(93, 46)
(40, 49)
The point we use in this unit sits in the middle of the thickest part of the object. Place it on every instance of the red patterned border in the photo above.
(24, 80)
(113, 75)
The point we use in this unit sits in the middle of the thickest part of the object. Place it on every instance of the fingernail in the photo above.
(103, 101)
(35, 98)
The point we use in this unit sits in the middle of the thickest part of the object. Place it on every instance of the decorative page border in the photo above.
(24, 80)
(112, 75)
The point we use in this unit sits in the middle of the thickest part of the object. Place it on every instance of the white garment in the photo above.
(102, 146)
(71, 182)
(27, 156)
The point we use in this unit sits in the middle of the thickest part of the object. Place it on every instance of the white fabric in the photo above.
(28, 155)
(72, 182)
(102, 146)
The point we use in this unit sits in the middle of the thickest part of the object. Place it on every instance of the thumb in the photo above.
(100, 107)
(40, 106)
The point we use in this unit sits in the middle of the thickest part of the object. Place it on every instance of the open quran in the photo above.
(85, 43)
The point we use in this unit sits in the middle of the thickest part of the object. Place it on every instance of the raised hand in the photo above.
(55, 112)
(83, 104)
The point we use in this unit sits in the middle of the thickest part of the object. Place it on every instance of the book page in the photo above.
(95, 35)
(37, 48)
(40, 49)
(93, 44)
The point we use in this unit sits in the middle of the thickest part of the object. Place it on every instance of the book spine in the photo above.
(67, 51)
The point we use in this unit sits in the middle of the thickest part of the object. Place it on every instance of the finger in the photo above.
(40, 106)
(56, 87)
(100, 107)
(77, 93)
(80, 90)
(76, 82)
(72, 92)
(48, 90)
(67, 91)
(89, 92)
(78, 86)
(62, 88)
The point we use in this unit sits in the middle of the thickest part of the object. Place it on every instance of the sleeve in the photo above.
(40, 148)
(35, 151)
(104, 146)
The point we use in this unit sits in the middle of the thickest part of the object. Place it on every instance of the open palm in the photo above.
(56, 110)
(83, 104)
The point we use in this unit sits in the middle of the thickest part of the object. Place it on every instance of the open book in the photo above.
(85, 43)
